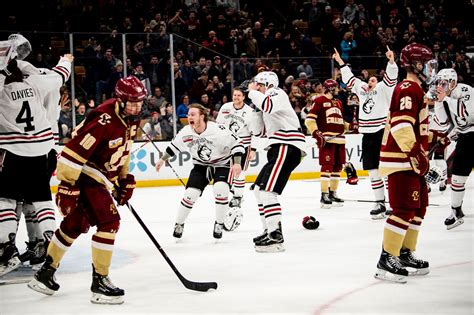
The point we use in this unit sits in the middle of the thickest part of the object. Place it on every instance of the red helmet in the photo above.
(330, 84)
(130, 89)
(413, 53)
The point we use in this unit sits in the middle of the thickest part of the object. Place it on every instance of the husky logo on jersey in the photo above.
(368, 105)
(234, 126)
(204, 152)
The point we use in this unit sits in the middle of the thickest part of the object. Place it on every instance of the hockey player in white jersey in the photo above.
(374, 100)
(286, 145)
(459, 98)
(212, 147)
(25, 141)
(237, 116)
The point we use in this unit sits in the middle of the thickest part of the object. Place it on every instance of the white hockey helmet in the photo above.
(267, 78)
(22, 47)
(448, 76)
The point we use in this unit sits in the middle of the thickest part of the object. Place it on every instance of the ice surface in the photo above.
(325, 271)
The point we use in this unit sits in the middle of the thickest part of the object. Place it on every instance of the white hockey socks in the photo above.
(377, 185)
(261, 212)
(239, 185)
(271, 209)
(46, 218)
(8, 219)
(221, 194)
(187, 203)
(457, 190)
(31, 222)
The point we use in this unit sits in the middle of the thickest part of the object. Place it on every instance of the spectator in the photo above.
(152, 128)
(306, 68)
(348, 45)
(182, 109)
(243, 69)
(156, 101)
(140, 74)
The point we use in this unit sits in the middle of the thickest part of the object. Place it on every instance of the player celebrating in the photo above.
(97, 156)
(403, 159)
(374, 100)
(460, 101)
(236, 116)
(212, 147)
(325, 120)
(25, 140)
(286, 145)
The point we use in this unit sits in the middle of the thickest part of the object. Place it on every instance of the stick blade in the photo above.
(199, 286)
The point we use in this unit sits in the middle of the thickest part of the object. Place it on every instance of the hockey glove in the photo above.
(351, 172)
(66, 198)
(125, 189)
(319, 138)
(419, 160)
(354, 127)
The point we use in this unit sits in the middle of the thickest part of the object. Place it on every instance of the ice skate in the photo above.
(272, 243)
(104, 291)
(379, 212)
(10, 258)
(44, 280)
(455, 219)
(29, 252)
(326, 202)
(390, 269)
(260, 237)
(218, 227)
(443, 184)
(178, 230)
(336, 201)
(409, 260)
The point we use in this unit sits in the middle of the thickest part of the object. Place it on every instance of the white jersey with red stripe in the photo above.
(280, 120)
(461, 108)
(25, 129)
(213, 147)
(51, 102)
(237, 120)
(374, 104)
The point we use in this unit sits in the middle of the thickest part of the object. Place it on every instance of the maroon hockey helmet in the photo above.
(413, 53)
(330, 84)
(130, 89)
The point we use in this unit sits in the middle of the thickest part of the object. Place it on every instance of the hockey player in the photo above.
(25, 141)
(403, 159)
(212, 147)
(97, 156)
(326, 124)
(459, 98)
(374, 100)
(286, 145)
(236, 116)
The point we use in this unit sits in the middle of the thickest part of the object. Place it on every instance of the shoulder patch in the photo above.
(327, 104)
(115, 143)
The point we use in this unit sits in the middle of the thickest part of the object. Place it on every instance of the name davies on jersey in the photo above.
(16, 95)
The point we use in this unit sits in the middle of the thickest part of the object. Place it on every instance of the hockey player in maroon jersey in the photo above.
(97, 157)
(403, 159)
(326, 124)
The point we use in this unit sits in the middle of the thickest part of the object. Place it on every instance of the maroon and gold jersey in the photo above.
(407, 123)
(100, 147)
(329, 118)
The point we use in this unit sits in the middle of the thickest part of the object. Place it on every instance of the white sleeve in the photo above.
(353, 83)
(391, 75)
(441, 114)
(234, 143)
(177, 145)
(220, 117)
(256, 124)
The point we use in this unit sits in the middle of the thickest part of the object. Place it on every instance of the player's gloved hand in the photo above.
(354, 126)
(444, 142)
(67, 197)
(419, 160)
(125, 189)
(319, 138)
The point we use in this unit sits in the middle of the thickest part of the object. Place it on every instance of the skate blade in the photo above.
(337, 204)
(98, 298)
(13, 264)
(418, 272)
(275, 248)
(325, 206)
(387, 276)
(378, 216)
(458, 222)
(37, 286)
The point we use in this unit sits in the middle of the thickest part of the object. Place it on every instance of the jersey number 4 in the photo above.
(24, 117)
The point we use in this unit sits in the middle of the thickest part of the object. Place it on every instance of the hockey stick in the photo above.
(157, 149)
(191, 285)
(373, 201)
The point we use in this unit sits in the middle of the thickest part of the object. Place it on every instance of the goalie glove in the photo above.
(320, 140)
(124, 191)
(419, 160)
(67, 198)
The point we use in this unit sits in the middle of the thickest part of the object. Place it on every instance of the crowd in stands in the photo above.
(295, 39)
